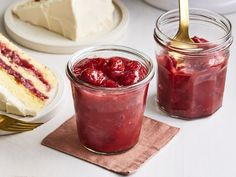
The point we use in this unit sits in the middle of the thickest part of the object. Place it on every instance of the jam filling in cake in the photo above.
(18, 77)
(15, 58)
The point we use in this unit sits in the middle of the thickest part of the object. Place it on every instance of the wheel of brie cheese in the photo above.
(73, 19)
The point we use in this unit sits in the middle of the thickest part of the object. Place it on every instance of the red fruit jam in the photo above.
(109, 120)
(110, 72)
(191, 87)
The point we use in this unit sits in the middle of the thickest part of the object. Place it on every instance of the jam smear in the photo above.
(110, 72)
(16, 59)
(20, 79)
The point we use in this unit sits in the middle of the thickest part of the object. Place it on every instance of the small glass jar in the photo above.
(109, 120)
(191, 81)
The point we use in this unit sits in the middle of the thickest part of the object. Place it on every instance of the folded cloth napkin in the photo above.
(154, 136)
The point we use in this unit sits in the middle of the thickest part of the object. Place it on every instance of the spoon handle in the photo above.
(184, 16)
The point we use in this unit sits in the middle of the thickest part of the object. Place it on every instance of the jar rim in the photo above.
(221, 43)
(84, 53)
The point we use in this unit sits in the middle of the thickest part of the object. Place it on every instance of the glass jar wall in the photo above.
(191, 81)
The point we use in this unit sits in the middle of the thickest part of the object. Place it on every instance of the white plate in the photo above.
(40, 39)
(50, 109)
(221, 6)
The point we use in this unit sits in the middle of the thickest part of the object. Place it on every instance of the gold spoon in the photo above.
(182, 39)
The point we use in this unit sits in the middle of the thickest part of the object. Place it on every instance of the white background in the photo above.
(203, 148)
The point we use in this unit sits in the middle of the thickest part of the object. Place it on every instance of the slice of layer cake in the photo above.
(71, 18)
(25, 84)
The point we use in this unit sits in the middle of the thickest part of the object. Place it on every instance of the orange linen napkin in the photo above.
(154, 136)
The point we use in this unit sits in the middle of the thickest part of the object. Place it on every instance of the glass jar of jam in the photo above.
(190, 81)
(109, 85)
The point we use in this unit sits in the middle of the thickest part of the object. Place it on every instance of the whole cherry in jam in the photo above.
(93, 76)
(115, 68)
(110, 72)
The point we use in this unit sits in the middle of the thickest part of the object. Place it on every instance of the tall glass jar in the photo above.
(191, 81)
(109, 120)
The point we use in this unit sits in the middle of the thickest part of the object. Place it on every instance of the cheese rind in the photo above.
(73, 19)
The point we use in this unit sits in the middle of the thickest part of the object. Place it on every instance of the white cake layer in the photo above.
(10, 104)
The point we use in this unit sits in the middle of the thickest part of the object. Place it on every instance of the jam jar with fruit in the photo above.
(109, 87)
(191, 81)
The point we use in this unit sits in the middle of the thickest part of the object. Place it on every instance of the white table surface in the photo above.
(203, 148)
